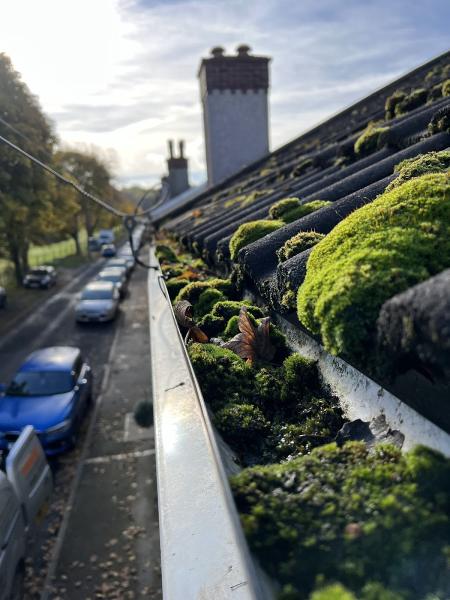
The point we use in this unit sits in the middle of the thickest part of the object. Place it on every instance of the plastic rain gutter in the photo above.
(204, 554)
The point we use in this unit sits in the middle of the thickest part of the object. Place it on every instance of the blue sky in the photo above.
(120, 75)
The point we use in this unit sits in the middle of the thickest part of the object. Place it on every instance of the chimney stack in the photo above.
(234, 94)
(178, 179)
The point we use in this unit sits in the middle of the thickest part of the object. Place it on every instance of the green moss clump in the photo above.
(215, 322)
(431, 162)
(391, 104)
(302, 167)
(299, 243)
(348, 515)
(206, 302)
(242, 425)
(413, 100)
(175, 285)
(300, 376)
(446, 88)
(192, 292)
(380, 250)
(289, 300)
(171, 270)
(435, 92)
(291, 209)
(250, 232)
(334, 591)
(440, 122)
(372, 138)
(165, 254)
(223, 376)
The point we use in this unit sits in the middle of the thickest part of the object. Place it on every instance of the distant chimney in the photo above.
(178, 170)
(234, 93)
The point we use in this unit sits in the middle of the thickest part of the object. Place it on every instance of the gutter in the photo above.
(204, 554)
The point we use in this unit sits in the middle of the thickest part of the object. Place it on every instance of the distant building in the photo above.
(234, 95)
(177, 179)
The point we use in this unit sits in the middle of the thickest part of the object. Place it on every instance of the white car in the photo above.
(121, 262)
(99, 301)
(116, 275)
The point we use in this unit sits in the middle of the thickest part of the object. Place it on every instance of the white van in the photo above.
(106, 236)
(25, 489)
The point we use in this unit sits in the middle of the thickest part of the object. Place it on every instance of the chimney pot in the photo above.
(217, 51)
(243, 50)
(181, 147)
(170, 144)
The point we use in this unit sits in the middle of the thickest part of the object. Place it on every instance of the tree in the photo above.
(25, 189)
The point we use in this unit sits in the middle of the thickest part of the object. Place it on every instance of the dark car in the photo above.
(40, 277)
(108, 250)
(50, 391)
(94, 245)
(3, 297)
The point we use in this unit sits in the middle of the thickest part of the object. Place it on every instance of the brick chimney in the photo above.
(234, 94)
(178, 170)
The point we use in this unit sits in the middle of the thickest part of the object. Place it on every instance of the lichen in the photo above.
(291, 209)
(411, 101)
(432, 162)
(192, 291)
(243, 426)
(165, 254)
(353, 516)
(250, 232)
(299, 243)
(371, 139)
(223, 376)
(381, 249)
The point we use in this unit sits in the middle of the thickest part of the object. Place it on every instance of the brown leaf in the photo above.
(252, 342)
(184, 314)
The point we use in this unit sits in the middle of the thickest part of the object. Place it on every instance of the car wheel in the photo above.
(18, 585)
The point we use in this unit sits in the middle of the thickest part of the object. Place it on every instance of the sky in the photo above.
(121, 75)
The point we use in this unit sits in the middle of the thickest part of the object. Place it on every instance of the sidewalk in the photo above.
(110, 545)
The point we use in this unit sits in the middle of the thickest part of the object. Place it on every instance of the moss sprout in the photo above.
(381, 249)
(391, 103)
(250, 232)
(175, 285)
(411, 101)
(299, 243)
(291, 209)
(371, 139)
(432, 162)
(446, 88)
(242, 425)
(165, 254)
(192, 291)
(223, 376)
(350, 515)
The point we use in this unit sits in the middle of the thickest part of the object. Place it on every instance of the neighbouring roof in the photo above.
(323, 164)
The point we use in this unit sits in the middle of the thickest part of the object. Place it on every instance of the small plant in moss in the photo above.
(431, 162)
(446, 88)
(192, 292)
(143, 414)
(299, 243)
(165, 254)
(223, 376)
(242, 425)
(372, 138)
(215, 321)
(250, 232)
(175, 285)
(381, 249)
(411, 101)
(353, 516)
(391, 103)
(291, 209)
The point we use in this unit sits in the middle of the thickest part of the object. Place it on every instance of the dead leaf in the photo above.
(184, 315)
(252, 342)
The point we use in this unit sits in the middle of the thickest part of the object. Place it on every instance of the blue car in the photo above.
(51, 391)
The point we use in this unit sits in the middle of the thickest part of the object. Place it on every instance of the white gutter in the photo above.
(204, 554)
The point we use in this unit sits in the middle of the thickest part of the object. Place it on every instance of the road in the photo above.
(100, 536)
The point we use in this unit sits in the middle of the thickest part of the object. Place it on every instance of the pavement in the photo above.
(100, 536)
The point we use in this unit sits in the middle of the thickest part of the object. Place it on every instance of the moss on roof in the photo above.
(416, 98)
(192, 291)
(381, 249)
(250, 232)
(391, 103)
(299, 243)
(431, 162)
(371, 139)
(291, 209)
(446, 88)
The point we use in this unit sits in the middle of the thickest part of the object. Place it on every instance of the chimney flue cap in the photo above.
(243, 50)
(217, 51)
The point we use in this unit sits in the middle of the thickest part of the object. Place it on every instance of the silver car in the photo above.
(99, 301)
(120, 262)
(116, 275)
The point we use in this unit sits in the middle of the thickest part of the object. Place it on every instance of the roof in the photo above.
(54, 358)
(178, 202)
(99, 285)
(327, 164)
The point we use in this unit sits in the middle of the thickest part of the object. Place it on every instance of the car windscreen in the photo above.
(38, 272)
(111, 277)
(40, 383)
(97, 294)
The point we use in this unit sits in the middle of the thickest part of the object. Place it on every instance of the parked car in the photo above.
(25, 490)
(94, 245)
(3, 297)
(121, 262)
(106, 236)
(51, 391)
(116, 275)
(99, 301)
(108, 250)
(40, 277)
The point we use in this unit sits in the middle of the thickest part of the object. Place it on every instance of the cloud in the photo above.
(122, 74)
